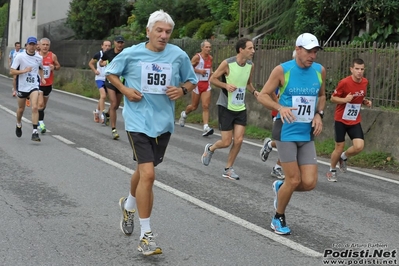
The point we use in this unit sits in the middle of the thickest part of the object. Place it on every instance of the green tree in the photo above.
(93, 19)
(3, 18)
(143, 9)
(380, 19)
(188, 10)
(224, 9)
(377, 18)
(280, 17)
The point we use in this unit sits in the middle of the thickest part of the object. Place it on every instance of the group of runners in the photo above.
(33, 75)
(153, 74)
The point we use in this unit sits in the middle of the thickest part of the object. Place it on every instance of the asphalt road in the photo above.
(59, 200)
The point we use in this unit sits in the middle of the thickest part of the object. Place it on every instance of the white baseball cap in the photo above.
(307, 41)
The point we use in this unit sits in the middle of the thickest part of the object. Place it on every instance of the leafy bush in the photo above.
(206, 30)
(3, 17)
(192, 27)
(230, 29)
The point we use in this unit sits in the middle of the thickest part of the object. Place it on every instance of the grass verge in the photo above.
(372, 160)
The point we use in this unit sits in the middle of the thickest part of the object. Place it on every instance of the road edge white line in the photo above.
(228, 216)
(62, 139)
(106, 160)
(14, 114)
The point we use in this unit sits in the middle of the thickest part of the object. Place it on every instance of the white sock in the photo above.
(97, 111)
(40, 122)
(205, 126)
(145, 226)
(333, 169)
(19, 124)
(277, 166)
(34, 131)
(343, 156)
(183, 114)
(269, 144)
(130, 203)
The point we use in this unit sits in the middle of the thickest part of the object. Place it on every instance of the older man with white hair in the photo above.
(156, 74)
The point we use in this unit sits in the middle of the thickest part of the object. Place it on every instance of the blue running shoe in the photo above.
(276, 186)
(279, 226)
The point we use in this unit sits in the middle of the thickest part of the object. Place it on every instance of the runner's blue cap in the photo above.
(32, 40)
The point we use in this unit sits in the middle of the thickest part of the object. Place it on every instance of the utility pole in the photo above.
(21, 21)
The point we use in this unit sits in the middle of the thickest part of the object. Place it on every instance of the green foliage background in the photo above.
(201, 19)
(3, 17)
(369, 20)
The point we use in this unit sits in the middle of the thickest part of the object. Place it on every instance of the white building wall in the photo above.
(51, 10)
(47, 14)
(47, 11)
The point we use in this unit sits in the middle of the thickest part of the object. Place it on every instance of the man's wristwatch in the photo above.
(185, 91)
(321, 113)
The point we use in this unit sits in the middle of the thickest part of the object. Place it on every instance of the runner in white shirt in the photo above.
(28, 66)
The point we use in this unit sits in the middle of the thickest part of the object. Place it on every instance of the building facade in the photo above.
(40, 18)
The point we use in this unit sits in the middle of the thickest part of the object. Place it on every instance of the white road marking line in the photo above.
(14, 114)
(228, 216)
(366, 174)
(62, 139)
(106, 160)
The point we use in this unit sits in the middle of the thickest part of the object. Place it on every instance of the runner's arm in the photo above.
(250, 86)
(321, 103)
(266, 94)
(223, 69)
(57, 64)
(91, 64)
(338, 94)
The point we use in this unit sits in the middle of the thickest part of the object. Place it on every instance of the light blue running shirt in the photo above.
(150, 72)
(301, 90)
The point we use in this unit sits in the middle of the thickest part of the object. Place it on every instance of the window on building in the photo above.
(33, 8)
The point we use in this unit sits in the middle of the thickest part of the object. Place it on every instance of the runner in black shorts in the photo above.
(149, 115)
(349, 95)
(237, 71)
(98, 70)
(114, 94)
(50, 64)
(27, 66)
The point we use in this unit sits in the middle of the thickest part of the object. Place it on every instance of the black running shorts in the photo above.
(109, 86)
(147, 149)
(227, 118)
(46, 90)
(354, 131)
